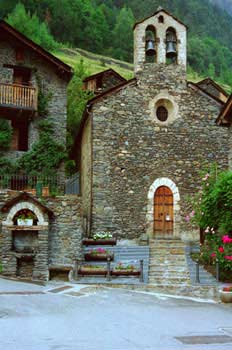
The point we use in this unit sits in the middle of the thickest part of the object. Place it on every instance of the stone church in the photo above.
(142, 143)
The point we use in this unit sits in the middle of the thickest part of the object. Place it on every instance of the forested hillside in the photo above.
(105, 27)
(223, 4)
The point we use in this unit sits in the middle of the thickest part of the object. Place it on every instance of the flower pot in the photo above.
(98, 257)
(91, 241)
(125, 273)
(226, 297)
(25, 222)
(92, 272)
(45, 191)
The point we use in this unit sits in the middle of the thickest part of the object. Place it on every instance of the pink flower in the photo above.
(187, 218)
(226, 239)
(192, 214)
(221, 249)
(213, 255)
(228, 257)
(206, 177)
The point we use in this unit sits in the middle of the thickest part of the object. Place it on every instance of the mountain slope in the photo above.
(225, 5)
(97, 63)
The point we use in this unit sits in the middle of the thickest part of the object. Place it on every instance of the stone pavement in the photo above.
(63, 316)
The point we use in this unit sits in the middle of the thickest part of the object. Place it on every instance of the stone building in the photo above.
(28, 73)
(103, 81)
(143, 142)
(52, 241)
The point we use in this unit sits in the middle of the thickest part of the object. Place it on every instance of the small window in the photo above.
(19, 54)
(162, 113)
(161, 19)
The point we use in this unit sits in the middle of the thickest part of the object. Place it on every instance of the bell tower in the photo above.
(160, 39)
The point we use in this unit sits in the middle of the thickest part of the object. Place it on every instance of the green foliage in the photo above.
(43, 99)
(5, 134)
(105, 26)
(7, 166)
(45, 155)
(123, 34)
(77, 98)
(31, 26)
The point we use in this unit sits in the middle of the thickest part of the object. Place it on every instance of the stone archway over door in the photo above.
(163, 212)
(173, 189)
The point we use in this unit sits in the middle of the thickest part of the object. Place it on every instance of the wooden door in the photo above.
(163, 211)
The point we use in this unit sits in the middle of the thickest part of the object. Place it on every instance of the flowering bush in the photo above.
(227, 289)
(102, 235)
(121, 266)
(98, 251)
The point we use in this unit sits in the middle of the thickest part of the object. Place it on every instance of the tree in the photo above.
(30, 26)
(77, 99)
(123, 34)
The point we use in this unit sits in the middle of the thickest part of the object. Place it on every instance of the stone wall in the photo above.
(65, 237)
(60, 244)
(132, 149)
(161, 28)
(51, 84)
(86, 176)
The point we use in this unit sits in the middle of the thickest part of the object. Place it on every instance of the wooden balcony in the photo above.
(18, 97)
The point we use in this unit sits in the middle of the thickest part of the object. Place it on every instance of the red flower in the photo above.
(228, 257)
(221, 249)
(213, 255)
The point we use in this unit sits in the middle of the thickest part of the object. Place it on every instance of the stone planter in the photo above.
(92, 272)
(25, 222)
(125, 273)
(226, 297)
(90, 241)
(98, 257)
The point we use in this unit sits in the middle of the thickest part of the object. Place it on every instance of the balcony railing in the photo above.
(18, 96)
(36, 185)
(41, 185)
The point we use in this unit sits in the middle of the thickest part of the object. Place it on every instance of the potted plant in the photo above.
(92, 270)
(125, 270)
(100, 238)
(98, 254)
(25, 218)
(226, 294)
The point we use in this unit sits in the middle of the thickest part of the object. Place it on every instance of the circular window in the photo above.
(162, 113)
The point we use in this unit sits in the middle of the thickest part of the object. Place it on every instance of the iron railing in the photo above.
(18, 96)
(36, 185)
(72, 185)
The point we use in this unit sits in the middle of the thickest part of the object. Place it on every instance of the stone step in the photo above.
(163, 281)
(168, 261)
(157, 269)
(168, 274)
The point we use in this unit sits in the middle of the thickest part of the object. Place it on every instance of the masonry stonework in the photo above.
(131, 149)
(51, 85)
(161, 29)
(58, 238)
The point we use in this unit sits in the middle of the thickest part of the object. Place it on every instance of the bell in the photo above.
(171, 49)
(150, 49)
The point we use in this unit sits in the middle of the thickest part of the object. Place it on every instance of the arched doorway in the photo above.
(151, 213)
(163, 212)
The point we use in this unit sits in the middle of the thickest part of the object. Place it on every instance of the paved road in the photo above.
(79, 318)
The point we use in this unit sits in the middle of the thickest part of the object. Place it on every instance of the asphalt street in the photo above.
(77, 317)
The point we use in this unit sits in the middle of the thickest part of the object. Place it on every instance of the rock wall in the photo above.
(132, 148)
(51, 84)
(86, 176)
(60, 244)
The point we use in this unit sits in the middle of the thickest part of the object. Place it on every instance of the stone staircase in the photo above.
(167, 265)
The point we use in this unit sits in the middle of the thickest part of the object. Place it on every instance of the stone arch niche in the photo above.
(151, 45)
(25, 248)
(26, 205)
(150, 206)
(171, 46)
